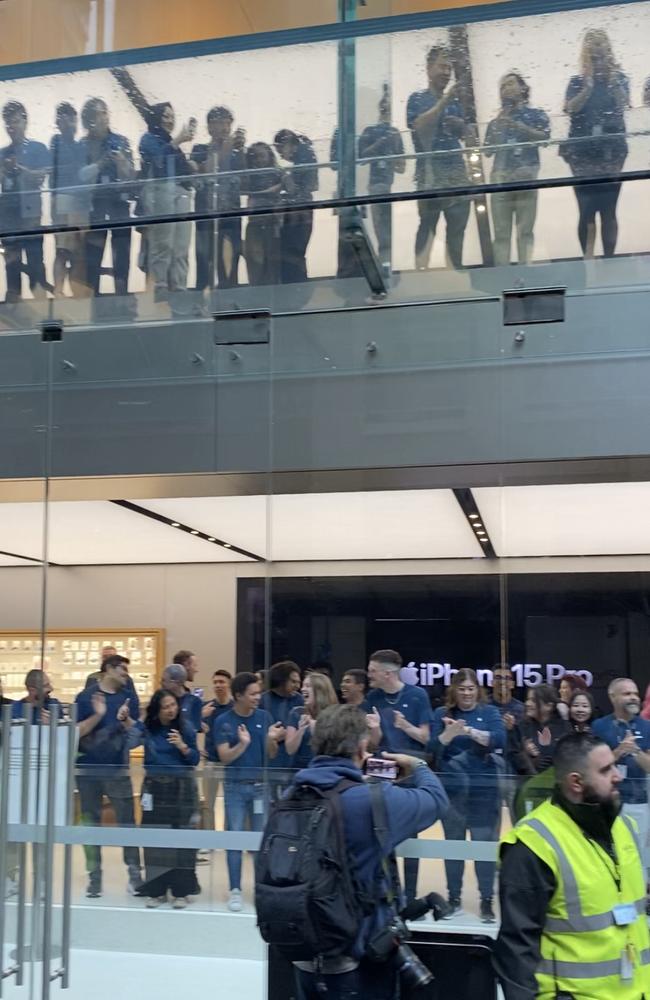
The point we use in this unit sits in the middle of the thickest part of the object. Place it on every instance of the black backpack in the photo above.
(309, 902)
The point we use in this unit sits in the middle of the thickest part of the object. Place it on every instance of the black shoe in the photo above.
(487, 913)
(454, 908)
(94, 889)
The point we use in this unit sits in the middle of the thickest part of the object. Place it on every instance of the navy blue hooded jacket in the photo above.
(411, 806)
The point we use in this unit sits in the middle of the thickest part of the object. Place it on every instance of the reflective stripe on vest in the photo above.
(577, 921)
(635, 836)
(587, 970)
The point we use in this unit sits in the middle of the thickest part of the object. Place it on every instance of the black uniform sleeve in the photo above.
(526, 885)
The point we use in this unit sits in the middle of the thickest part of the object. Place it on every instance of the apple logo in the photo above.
(409, 674)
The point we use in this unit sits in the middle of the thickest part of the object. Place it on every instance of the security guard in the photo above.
(572, 889)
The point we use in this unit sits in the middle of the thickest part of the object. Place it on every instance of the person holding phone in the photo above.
(436, 119)
(167, 191)
(596, 100)
(108, 166)
(107, 731)
(24, 165)
(511, 138)
(466, 733)
(219, 242)
(168, 800)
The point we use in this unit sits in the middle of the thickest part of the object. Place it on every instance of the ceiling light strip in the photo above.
(468, 505)
(171, 522)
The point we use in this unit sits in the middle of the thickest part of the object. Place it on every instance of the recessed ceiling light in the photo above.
(473, 516)
(193, 531)
(227, 545)
(477, 524)
(175, 524)
(480, 208)
(212, 539)
(484, 540)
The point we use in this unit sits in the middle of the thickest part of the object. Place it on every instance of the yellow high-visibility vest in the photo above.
(584, 952)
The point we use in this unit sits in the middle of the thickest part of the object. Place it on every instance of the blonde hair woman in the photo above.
(595, 101)
(319, 693)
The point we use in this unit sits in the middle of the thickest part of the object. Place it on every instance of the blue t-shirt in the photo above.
(105, 750)
(280, 709)
(67, 160)
(440, 169)
(463, 750)
(104, 196)
(224, 193)
(390, 144)
(304, 753)
(219, 710)
(305, 180)
(513, 707)
(21, 192)
(191, 707)
(18, 709)
(162, 757)
(514, 161)
(613, 731)
(248, 767)
(602, 116)
(414, 705)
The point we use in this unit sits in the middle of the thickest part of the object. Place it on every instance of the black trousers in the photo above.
(95, 244)
(295, 235)
(31, 247)
(173, 807)
(593, 200)
(228, 248)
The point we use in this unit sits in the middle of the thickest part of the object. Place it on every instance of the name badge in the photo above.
(624, 914)
(146, 802)
(258, 809)
(627, 967)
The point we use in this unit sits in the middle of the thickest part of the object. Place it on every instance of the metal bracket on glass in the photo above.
(353, 231)
(51, 331)
(533, 305)
(242, 327)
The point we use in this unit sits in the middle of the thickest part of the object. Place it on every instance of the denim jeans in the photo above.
(244, 802)
(481, 817)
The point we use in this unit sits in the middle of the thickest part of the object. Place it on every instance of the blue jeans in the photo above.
(242, 801)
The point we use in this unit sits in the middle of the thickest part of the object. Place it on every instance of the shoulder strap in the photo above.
(380, 830)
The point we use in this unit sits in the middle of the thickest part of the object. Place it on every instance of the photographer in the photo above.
(340, 744)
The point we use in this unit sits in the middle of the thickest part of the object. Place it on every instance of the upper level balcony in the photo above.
(451, 199)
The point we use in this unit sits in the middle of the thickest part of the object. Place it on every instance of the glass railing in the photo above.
(409, 165)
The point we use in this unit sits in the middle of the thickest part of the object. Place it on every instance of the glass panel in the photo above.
(24, 654)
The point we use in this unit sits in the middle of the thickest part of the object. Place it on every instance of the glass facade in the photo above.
(312, 344)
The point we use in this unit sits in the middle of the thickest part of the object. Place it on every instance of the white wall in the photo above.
(296, 86)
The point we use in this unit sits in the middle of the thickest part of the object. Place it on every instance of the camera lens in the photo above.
(414, 972)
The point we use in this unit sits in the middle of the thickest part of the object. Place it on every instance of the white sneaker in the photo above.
(234, 901)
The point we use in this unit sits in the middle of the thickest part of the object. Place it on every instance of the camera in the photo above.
(389, 943)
